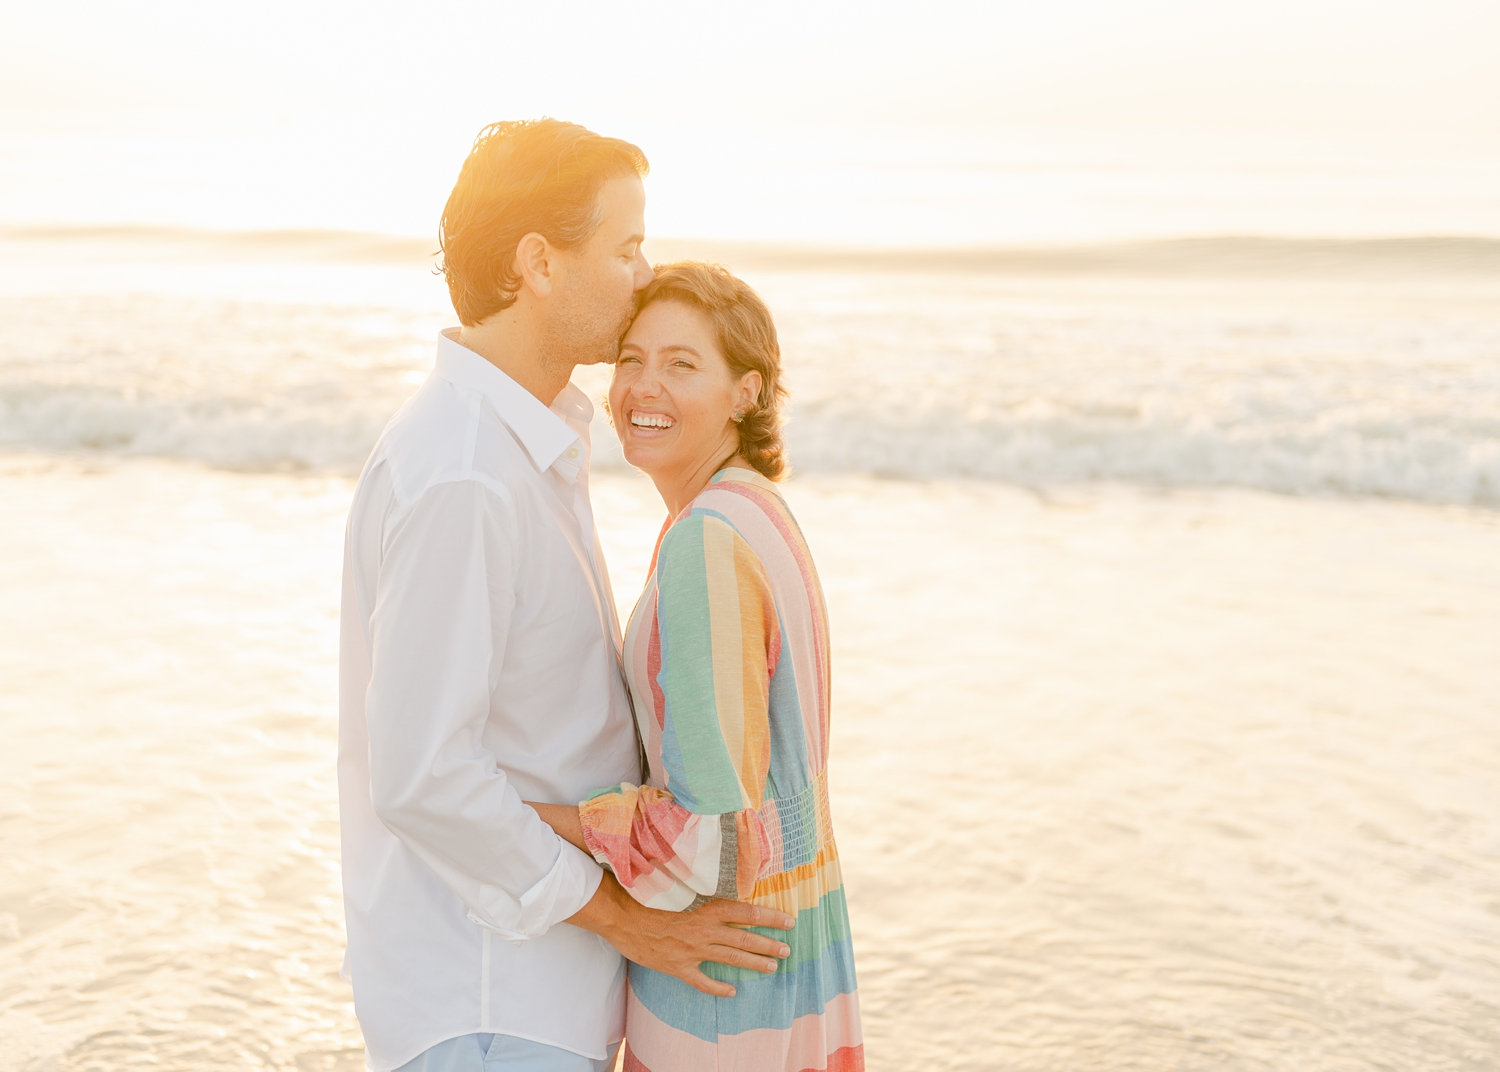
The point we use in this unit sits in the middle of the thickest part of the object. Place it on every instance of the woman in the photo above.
(726, 656)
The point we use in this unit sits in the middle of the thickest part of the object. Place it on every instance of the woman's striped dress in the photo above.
(727, 660)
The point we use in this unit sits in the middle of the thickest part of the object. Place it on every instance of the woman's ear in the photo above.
(747, 392)
(534, 264)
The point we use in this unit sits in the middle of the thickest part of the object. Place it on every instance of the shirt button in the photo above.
(572, 453)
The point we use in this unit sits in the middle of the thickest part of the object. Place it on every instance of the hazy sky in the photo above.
(375, 102)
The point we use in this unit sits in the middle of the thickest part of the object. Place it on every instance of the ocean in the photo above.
(1347, 369)
(1164, 580)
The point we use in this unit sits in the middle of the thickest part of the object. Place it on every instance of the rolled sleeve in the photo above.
(557, 895)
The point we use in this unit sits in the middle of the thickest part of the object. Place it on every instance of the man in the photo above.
(478, 648)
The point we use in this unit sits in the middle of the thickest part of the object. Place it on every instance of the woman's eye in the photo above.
(627, 359)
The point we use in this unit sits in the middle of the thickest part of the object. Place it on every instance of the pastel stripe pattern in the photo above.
(726, 656)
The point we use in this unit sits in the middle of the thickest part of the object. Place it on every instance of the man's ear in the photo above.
(748, 391)
(534, 264)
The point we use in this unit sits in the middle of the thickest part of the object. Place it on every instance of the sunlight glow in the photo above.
(971, 123)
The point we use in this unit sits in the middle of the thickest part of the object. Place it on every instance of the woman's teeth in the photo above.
(650, 420)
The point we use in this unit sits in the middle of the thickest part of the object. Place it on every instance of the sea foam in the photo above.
(1423, 457)
(1348, 369)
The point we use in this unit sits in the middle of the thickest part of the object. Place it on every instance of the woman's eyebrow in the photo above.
(672, 348)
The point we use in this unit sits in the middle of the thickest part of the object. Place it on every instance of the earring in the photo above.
(737, 417)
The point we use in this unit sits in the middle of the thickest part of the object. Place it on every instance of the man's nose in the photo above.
(643, 271)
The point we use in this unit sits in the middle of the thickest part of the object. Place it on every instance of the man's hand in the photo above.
(676, 943)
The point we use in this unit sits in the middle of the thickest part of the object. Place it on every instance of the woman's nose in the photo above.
(646, 384)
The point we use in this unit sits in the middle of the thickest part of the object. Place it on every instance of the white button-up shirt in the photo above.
(478, 668)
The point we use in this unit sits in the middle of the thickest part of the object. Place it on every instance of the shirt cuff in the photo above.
(568, 885)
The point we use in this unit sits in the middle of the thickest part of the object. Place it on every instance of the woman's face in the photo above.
(673, 397)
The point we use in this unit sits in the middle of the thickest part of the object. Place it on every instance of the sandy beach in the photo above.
(1122, 779)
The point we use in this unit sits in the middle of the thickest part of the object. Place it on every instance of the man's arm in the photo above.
(564, 821)
(442, 611)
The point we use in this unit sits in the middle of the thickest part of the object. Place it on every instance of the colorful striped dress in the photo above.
(726, 656)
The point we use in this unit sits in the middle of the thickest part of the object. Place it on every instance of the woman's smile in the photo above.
(651, 421)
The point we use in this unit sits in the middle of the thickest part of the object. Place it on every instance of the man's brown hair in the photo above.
(527, 175)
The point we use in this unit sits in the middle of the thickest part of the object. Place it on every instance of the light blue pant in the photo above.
(502, 1053)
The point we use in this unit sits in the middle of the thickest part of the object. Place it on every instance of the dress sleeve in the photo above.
(702, 834)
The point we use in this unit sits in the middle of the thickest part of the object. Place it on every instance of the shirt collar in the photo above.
(552, 437)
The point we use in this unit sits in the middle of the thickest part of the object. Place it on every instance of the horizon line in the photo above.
(1227, 249)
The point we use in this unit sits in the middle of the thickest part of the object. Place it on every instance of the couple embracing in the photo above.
(527, 798)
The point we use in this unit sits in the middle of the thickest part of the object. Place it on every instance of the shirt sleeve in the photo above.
(444, 599)
(702, 834)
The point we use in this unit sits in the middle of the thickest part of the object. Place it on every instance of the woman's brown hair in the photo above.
(746, 336)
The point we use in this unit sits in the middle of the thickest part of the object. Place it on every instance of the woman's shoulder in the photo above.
(737, 497)
(738, 506)
(738, 509)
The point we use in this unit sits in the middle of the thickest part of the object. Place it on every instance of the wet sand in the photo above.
(1121, 779)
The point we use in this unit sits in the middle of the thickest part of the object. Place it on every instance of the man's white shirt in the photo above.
(478, 668)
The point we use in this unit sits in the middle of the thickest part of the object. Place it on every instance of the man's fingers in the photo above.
(737, 957)
(698, 981)
(751, 942)
(749, 915)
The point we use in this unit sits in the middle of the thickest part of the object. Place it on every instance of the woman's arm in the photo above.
(701, 835)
